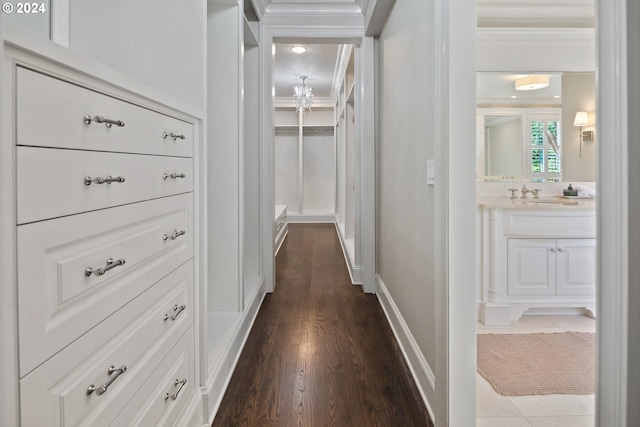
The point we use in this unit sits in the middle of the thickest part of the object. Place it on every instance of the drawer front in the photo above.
(60, 391)
(59, 109)
(166, 392)
(550, 223)
(51, 182)
(58, 301)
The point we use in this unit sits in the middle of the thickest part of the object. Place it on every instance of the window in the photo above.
(545, 148)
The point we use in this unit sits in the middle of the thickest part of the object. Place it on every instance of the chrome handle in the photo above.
(101, 270)
(103, 388)
(560, 250)
(178, 383)
(553, 249)
(100, 180)
(173, 175)
(176, 312)
(99, 119)
(174, 235)
(172, 135)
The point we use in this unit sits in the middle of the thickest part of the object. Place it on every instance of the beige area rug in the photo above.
(545, 363)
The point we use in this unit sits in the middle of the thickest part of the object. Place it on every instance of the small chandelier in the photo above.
(303, 96)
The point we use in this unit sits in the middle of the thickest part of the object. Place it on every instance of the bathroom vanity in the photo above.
(536, 254)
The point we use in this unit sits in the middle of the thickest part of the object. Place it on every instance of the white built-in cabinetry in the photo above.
(539, 256)
(551, 267)
(104, 228)
(305, 163)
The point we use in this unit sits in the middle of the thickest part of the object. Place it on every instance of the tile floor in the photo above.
(493, 410)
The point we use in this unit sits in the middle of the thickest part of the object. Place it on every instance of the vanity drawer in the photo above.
(58, 301)
(51, 113)
(59, 392)
(550, 223)
(166, 392)
(51, 182)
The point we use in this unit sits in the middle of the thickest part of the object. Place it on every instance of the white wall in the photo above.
(224, 157)
(251, 170)
(503, 145)
(160, 43)
(578, 94)
(405, 214)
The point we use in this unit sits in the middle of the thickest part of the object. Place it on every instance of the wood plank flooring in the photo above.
(321, 352)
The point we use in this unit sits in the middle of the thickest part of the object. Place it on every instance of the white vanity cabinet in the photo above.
(536, 255)
(551, 267)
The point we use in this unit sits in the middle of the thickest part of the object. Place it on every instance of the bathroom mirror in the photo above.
(528, 135)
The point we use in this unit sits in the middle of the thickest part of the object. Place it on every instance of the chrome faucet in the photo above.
(525, 191)
(535, 192)
(513, 193)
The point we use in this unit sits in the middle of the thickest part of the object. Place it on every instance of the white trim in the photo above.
(355, 272)
(613, 215)
(541, 9)
(548, 49)
(60, 22)
(421, 372)
(220, 375)
(310, 217)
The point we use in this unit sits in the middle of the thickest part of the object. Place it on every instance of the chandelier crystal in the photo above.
(303, 96)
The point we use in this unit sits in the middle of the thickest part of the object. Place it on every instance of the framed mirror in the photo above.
(528, 135)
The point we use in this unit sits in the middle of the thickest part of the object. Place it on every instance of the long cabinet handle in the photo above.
(111, 263)
(174, 235)
(178, 383)
(175, 136)
(177, 309)
(103, 388)
(173, 175)
(103, 180)
(99, 119)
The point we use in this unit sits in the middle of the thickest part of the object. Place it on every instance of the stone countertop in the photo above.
(551, 203)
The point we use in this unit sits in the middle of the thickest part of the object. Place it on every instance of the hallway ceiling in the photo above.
(319, 63)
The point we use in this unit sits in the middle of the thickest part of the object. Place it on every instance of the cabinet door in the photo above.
(576, 267)
(531, 265)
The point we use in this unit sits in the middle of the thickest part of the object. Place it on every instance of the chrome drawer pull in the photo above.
(172, 135)
(176, 312)
(173, 175)
(100, 180)
(101, 270)
(174, 235)
(178, 383)
(100, 119)
(103, 388)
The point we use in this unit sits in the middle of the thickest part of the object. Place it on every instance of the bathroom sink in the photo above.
(548, 202)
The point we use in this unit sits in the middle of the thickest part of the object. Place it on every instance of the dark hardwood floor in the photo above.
(321, 352)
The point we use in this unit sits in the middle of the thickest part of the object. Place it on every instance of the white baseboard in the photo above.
(355, 271)
(420, 370)
(221, 374)
(301, 218)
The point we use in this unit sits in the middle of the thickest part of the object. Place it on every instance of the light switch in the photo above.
(431, 172)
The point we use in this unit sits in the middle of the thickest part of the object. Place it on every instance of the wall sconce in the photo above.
(582, 120)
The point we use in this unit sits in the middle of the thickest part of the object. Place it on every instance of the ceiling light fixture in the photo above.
(298, 49)
(537, 81)
(303, 96)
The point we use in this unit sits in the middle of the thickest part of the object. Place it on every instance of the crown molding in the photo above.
(536, 13)
(318, 102)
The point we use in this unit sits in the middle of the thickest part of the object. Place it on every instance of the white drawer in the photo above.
(50, 113)
(51, 182)
(550, 223)
(166, 392)
(58, 302)
(58, 392)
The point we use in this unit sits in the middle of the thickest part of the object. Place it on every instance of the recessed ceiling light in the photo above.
(513, 96)
(298, 49)
(557, 96)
